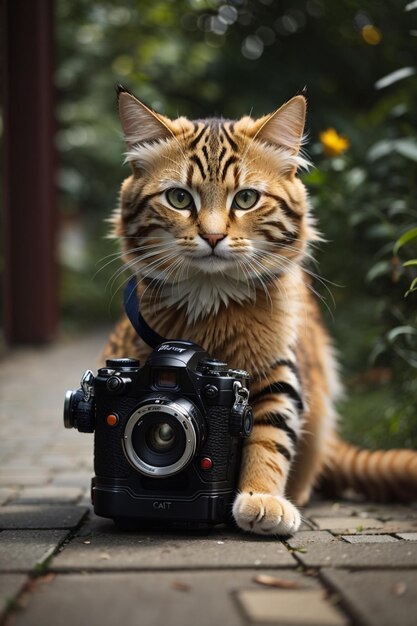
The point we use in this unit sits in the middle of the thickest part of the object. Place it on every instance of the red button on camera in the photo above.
(206, 463)
(112, 419)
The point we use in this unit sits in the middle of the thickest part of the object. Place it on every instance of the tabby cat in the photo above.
(217, 227)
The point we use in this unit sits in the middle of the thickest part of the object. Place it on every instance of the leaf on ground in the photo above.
(301, 549)
(272, 581)
(399, 588)
(47, 578)
(180, 586)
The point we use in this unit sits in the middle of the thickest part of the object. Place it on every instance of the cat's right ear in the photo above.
(139, 123)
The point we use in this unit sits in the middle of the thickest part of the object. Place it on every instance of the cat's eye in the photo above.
(179, 198)
(246, 199)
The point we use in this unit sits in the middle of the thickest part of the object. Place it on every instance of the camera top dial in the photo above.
(122, 364)
(212, 367)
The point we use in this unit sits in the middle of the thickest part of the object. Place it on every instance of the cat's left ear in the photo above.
(139, 123)
(285, 127)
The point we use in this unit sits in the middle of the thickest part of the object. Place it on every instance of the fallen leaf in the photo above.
(272, 581)
(46, 578)
(180, 586)
(399, 588)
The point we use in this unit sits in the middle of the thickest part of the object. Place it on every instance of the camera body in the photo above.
(167, 436)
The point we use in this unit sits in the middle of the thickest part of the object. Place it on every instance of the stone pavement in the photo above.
(352, 563)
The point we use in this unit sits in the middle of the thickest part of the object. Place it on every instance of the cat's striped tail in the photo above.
(382, 475)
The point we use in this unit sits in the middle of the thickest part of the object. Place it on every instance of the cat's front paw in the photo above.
(266, 514)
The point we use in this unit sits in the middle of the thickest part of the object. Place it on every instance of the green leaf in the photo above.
(377, 270)
(411, 262)
(405, 238)
(379, 149)
(315, 177)
(407, 148)
(413, 287)
(394, 77)
(410, 6)
(301, 549)
(401, 330)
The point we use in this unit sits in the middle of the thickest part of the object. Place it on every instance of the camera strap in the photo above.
(132, 309)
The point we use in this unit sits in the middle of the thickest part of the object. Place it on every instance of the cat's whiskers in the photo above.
(286, 263)
(320, 279)
(308, 256)
(164, 281)
(156, 265)
(122, 253)
(285, 269)
(257, 276)
(118, 257)
(157, 249)
(136, 261)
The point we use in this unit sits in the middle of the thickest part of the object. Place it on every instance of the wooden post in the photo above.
(30, 217)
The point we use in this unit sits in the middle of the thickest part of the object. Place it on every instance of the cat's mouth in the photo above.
(212, 263)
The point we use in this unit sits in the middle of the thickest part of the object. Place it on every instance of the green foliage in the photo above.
(231, 57)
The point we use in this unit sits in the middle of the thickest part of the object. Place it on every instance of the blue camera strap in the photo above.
(132, 309)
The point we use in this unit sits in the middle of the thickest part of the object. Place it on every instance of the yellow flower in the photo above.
(333, 143)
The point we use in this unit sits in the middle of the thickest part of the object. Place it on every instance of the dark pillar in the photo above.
(30, 279)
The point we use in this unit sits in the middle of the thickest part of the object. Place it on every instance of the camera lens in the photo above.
(162, 436)
(158, 440)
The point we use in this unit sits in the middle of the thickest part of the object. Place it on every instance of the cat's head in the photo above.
(213, 198)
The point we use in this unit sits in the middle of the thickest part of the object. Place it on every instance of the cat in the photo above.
(217, 226)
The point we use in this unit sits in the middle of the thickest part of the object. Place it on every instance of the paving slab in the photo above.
(57, 462)
(382, 511)
(110, 549)
(10, 587)
(369, 538)
(6, 493)
(73, 479)
(347, 525)
(408, 536)
(302, 539)
(326, 508)
(40, 516)
(49, 494)
(24, 550)
(399, 526)
(301, 608)
(377, 598)
(18, 477)
(345, 555)
(160, 598)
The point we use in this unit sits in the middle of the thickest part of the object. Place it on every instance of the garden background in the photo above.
(357, 60)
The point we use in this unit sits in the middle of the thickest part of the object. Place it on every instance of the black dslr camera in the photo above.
(168, 436)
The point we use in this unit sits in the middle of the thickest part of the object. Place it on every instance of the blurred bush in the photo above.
(205, 57)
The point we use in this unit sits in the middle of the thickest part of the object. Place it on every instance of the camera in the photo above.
(167, 436)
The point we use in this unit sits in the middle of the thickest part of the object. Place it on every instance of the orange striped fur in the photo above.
(228, 271)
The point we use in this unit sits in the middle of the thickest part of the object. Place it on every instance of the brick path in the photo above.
(61, 565)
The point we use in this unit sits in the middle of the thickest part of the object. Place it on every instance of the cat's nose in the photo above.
(213, 239)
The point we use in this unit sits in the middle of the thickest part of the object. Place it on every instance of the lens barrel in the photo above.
(162, 436)
(79, 413)
(69, 421)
